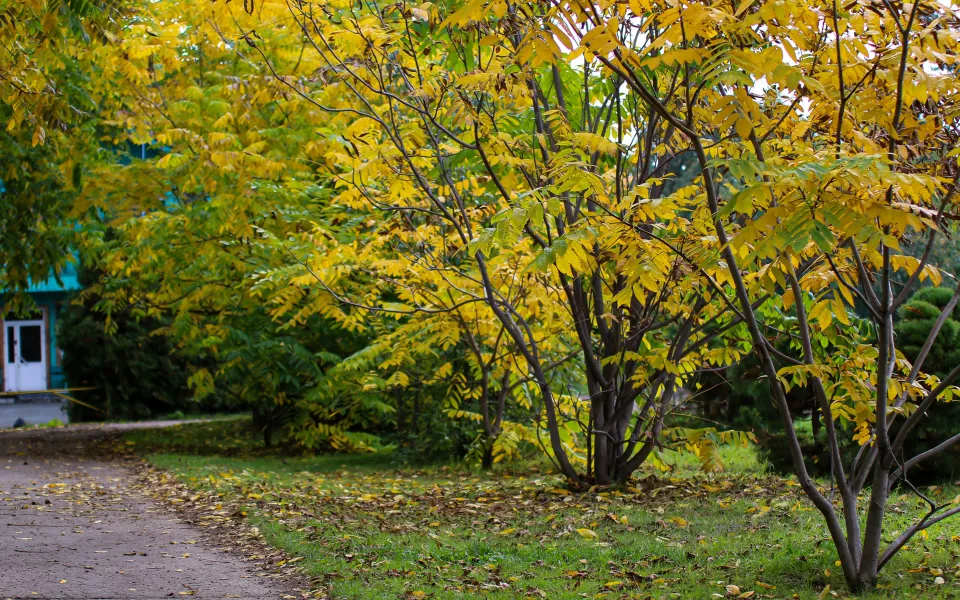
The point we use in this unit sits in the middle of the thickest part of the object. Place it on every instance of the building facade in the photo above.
(31, 357)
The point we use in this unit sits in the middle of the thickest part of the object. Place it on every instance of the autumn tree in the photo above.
(837, 125)
(520, 180)
(47, 133)
(822, 134)
(213, 206)
(202, 176)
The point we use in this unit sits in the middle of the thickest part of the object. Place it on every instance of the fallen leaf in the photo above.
(587, 533)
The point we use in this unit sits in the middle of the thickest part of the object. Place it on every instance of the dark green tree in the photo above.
(137, 373)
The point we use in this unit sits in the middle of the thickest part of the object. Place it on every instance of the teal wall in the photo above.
(52, 295)
(52, 303)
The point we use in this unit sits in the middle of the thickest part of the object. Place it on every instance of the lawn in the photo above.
(362, 527)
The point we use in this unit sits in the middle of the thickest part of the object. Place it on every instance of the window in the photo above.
(31, 344)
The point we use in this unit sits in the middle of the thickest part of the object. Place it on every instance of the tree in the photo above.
(202, 178)
(48, 131)
(823, 135)
(223, 196)
(518, 181)
(838, 123)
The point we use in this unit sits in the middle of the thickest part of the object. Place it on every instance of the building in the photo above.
(31, 357)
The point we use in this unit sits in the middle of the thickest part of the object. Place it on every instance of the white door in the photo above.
(25, 364)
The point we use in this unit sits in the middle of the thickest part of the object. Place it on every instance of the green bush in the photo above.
(136, 373)
(938, 297)
(918, 309)
(917, 319)
(741, 399)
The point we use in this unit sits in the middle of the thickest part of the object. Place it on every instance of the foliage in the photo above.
(137, 373)
(208, 182)
(47, 130)
(506, 215)
(571, 210)
(822, 137)
(227, 192)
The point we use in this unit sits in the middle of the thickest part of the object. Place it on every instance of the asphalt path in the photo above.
(75, 526)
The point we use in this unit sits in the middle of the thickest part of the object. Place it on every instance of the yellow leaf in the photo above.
(743, 7)
(678, 521)
(587, 533)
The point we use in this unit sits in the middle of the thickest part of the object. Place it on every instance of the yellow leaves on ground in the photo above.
(587, 533)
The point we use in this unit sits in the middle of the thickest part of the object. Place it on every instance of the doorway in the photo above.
(25, 356)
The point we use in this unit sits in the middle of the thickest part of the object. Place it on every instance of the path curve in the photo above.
(73, 525)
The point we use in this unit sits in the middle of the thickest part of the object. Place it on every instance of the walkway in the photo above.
(74, 526)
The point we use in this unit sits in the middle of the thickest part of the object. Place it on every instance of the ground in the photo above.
(78, 525)
(368, 527)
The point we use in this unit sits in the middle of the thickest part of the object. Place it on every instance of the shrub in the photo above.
(917, 319)
(136, 373)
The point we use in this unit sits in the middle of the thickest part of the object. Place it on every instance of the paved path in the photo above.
(75, 527)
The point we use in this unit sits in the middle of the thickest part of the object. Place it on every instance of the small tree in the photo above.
(518, 181)
(823, 135)
(838, 125)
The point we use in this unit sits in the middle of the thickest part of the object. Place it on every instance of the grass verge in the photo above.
(366, 529)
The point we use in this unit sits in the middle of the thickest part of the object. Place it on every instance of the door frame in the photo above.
(44, 321)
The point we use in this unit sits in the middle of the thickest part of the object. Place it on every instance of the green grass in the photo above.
(179, 415)
(366, 529)
(224, 435)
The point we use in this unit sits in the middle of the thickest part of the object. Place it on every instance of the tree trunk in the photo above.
(860, 586)
(268, 435)
(619, 469)
(602, 458)
(486, 461)
(815, 423)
